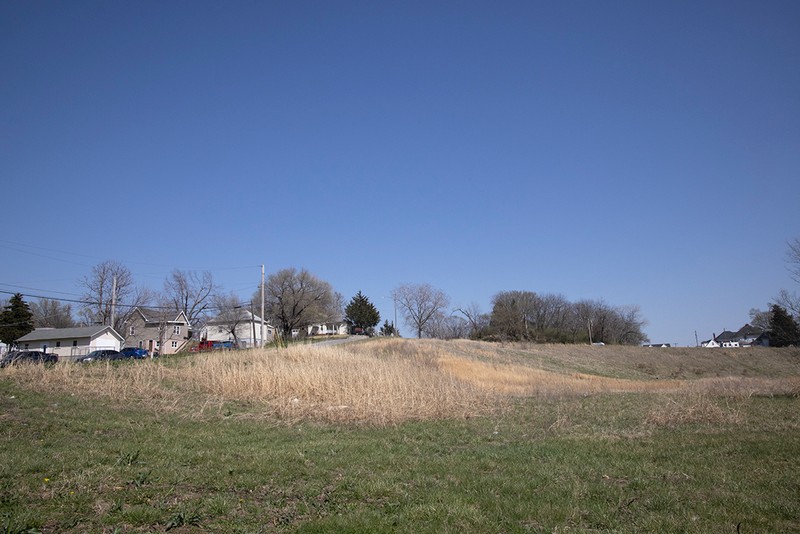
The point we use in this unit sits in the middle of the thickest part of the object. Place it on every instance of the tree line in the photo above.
(295, 298)
(520, 316)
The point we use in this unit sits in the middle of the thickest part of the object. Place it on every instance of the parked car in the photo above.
(103, 354)
(27, 356)
(134, 352)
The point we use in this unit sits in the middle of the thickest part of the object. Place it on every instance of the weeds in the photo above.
(183, 518)
(383, 382)
(128, 458)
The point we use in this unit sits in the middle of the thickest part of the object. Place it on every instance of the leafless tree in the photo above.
(793, 258)
(759, 318)
(98, 287)
(516, 314)
(230, 314)
(789, 301)
(443, 326)
(49, 313)
(476, 319)
(189, 292)
(298, 298)
(579, 321)
(419, 304)
(524, 315)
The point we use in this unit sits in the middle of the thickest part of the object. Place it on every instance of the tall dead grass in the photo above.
(388, 381)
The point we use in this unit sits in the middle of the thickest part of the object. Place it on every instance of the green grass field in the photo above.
(691, 459)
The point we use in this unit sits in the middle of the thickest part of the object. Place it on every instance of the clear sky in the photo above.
(644, 153)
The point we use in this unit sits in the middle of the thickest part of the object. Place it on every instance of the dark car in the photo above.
(134, 352)
(27, 356)
(96, 355)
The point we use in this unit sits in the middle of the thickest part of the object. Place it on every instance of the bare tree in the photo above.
(514, 314)
(230, 316)
(189, 292)
(789, 301)
(477, 320)
(49, 313)
(419, 304)
(793, 258)
(443, 326)
(786, 299)
(110, 295)
(579, 321)
(760, 319)
(298, 298)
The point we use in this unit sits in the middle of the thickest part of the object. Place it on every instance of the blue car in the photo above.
(134, 352)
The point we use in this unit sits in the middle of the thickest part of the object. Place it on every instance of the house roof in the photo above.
(243, 315)
(727, 335)
(152, 316)
(748, 330)
(45, 334)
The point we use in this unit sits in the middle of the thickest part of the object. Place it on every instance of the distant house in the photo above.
(71, 343)
(746, 336)
(245, 325)
(157, 331)
(752, 335)
(328, 329)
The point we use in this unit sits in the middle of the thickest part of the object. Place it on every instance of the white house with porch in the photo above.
(328, 329)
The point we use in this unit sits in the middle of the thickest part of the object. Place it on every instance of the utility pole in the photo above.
(113, 300)
(262, 305)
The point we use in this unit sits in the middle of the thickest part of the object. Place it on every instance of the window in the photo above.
(74, 342)
(176, 330)
(158, 344)
(132, 331)
(58, 344)
(174, 344)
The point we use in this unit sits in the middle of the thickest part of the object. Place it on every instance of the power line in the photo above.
(38, 289)
(96, 303)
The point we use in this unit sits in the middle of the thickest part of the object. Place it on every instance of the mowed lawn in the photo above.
(517, 439)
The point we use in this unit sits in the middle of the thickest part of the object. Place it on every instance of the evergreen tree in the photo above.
(360, 313)
(388, 329)
(16, 320)
(784, 331)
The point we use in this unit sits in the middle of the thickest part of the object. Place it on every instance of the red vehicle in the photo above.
(203, 346)
(212, 345)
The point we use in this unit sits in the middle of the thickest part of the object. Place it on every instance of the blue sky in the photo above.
(644, 153)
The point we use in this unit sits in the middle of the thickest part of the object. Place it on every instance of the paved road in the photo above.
(339, 341)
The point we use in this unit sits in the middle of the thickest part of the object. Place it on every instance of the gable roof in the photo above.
(153, 316)
(240, 314)
(747, 331)
(727, 335)
(46, 334)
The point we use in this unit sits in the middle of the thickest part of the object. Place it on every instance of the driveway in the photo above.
(349, 339)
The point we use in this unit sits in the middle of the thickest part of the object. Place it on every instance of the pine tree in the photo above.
(16, 320)
(361, 314)
(388, 329)
(784, 330)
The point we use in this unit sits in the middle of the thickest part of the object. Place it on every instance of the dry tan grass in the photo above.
(388, 381)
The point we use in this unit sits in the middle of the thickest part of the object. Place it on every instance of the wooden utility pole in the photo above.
(262, 306)
(113, 300)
